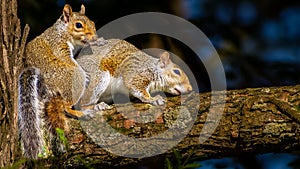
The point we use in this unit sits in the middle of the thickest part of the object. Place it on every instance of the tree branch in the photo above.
(254, 121)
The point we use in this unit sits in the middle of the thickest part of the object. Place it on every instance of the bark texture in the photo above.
(255, 120)
(11, 52)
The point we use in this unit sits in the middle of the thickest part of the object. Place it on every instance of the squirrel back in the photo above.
(52, 83)
(120, 66)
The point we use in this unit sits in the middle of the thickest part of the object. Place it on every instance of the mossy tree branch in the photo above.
(255, 120)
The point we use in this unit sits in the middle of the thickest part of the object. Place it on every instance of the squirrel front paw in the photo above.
(158, 100)
(102, 106)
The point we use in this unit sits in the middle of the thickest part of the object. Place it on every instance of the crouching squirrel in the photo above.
(121, 67)
(52, 83)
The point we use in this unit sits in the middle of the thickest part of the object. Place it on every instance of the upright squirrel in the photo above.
(52, 83)
(121, 67)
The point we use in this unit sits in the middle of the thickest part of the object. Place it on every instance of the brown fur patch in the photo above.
(116, 56)
(54, 109)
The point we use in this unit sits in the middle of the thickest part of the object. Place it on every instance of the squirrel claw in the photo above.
(158, 100)
(102, 106)
(89, 113)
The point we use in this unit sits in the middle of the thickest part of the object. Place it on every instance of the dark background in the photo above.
(257, 40)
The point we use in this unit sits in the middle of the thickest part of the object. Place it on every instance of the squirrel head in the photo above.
(81, 28)
(176, 81)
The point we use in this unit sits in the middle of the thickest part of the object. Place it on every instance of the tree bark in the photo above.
(254, 121)
(11, 47)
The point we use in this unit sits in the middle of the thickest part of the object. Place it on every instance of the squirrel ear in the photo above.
(164, 59)
(82, 10)
(67, 12)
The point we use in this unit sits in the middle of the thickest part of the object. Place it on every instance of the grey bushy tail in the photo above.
(30, 112)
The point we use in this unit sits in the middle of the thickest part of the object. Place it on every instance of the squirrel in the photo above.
(120, 66)
(52, 83)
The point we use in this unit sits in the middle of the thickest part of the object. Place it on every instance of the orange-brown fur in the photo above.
(64, 80)
(116, 55)
(120, 66)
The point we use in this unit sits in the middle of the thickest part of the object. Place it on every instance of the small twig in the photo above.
(2, 86)
(20, 57)
(4, 23)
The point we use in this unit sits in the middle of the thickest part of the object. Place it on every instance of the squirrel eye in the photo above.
(78, 25)
(176, 71)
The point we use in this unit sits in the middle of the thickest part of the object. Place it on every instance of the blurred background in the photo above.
(257, 41)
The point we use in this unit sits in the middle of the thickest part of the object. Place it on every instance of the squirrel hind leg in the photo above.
(55, 109)
(56, 121)
(30, 112)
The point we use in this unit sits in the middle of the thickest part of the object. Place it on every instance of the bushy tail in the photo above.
(30, 112)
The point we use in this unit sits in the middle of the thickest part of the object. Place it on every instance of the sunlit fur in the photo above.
(132, 70)
(50, 57)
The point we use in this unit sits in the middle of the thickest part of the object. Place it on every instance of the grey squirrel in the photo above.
(53, 83)
(121, 67)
